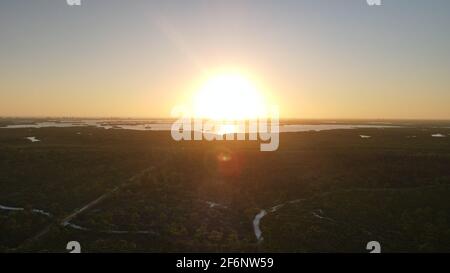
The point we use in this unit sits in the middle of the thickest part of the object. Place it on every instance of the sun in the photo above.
(229, 96)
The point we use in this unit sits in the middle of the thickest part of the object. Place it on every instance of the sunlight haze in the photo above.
(315, 59)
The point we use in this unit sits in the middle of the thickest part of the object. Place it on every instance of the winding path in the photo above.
(66, 220)
(318, 213)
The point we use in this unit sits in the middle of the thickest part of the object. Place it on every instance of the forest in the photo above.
(324, 191)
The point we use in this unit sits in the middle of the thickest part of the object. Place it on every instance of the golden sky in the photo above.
(314, 59)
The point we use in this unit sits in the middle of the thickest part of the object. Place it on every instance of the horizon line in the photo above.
(172, 118)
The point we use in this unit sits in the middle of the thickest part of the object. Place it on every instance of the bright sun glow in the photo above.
(227, 129)
(229, 97)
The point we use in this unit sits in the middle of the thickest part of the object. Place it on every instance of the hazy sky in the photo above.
(317, 58)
